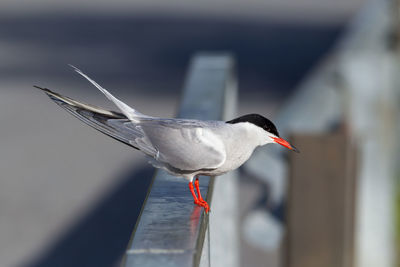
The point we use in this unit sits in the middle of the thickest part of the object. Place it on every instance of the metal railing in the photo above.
(171, 230)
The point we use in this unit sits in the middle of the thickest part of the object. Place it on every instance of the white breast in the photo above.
(240, 140)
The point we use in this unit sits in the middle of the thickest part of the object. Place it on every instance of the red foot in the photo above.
(203, 204)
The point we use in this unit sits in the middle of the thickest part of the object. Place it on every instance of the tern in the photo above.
(183, 147)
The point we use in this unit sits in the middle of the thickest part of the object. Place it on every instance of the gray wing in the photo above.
(113, 124)
(182, 144)
(185, 144)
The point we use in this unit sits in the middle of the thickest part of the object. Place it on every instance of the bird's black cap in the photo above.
(257, 120)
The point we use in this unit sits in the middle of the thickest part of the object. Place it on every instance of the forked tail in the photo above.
(111, 123)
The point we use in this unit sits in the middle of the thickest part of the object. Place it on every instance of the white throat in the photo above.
(256, 134)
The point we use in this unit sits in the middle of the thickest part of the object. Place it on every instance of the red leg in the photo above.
(204, 203)
(196, 185)
(196, 200)
(193, 194)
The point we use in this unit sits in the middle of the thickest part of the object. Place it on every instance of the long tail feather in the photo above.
(129, 112)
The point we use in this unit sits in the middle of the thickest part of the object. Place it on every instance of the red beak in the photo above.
(285, 143)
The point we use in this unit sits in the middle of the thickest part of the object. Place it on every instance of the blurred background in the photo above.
(70, 196)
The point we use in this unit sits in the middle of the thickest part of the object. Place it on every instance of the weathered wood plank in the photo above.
(321, 202)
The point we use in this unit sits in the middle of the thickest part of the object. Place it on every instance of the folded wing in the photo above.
(186, 148)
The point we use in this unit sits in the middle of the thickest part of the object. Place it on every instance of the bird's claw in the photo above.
(202, 203)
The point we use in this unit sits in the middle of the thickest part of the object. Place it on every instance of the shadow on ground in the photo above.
(101, 237)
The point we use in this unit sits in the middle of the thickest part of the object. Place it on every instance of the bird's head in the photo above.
(269, 132)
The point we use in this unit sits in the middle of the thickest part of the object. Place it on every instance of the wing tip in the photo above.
(53, 96)
(47, 91)
(41, 88)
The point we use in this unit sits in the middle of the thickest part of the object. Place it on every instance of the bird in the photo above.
(183, 147)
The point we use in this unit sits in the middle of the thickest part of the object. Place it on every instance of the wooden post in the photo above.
(321, 204)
